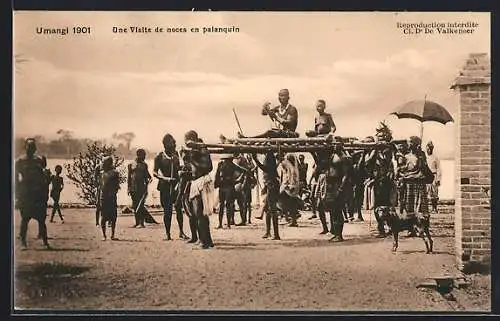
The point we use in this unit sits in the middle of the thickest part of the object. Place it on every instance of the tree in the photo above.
(126, 137)
(66, 136)
(81, 170)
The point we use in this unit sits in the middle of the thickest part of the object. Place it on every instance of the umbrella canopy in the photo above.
(424, 110)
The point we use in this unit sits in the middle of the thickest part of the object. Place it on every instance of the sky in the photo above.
(360, 63)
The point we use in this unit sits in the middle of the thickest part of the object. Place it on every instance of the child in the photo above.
(323, 122)
(110, 184)
(57, 187)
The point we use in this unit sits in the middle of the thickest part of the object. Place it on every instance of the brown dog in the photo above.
(397, 224)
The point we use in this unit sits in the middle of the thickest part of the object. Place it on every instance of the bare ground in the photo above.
(302, 271)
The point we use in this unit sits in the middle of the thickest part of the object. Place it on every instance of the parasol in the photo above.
(423, 110)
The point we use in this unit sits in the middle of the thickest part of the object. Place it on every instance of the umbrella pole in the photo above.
(422, 124)
(421, 131)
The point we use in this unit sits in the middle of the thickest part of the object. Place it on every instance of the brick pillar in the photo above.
(473, 164)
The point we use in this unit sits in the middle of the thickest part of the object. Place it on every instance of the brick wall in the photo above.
(473, 166)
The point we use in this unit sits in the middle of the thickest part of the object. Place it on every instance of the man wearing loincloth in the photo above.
(322, 161)
(284, 117)
(381, 167)
(31, 191)
(138, 181)
(289, 200)
(271, 189)
(303, 167)
(201, 194)
(110, 184)
(244, 184)
(336, 180)
(166, 170)
(225, 178)
(183, 188)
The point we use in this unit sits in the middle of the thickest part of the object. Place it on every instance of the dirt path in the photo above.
(303, 271)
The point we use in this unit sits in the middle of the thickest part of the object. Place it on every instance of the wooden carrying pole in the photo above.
(273, 146)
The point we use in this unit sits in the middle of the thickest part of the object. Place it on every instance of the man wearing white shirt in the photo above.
(435, 167)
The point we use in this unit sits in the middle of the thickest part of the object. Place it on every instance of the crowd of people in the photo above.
(342, 183)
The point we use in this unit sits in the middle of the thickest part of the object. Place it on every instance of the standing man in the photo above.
(271, 189)
(435, 167)
(166, 169)
(31, 191)
(243, 188)
(289, 189)
(201, 190)
(303, 167)
(110, 184)
(225, 182)
(402, 150)
(57, 187)
(322, 164)
(183, 190)
(337, 179)
(284, 117)
(138, 180)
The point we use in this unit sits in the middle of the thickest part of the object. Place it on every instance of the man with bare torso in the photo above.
(166, 170)
(201, 188)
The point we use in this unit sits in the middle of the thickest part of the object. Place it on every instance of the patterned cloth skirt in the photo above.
(416, 199)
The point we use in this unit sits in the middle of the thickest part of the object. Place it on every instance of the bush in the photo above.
(81, 170)
(383, 132)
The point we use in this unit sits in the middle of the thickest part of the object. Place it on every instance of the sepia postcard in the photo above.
(251, 161)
